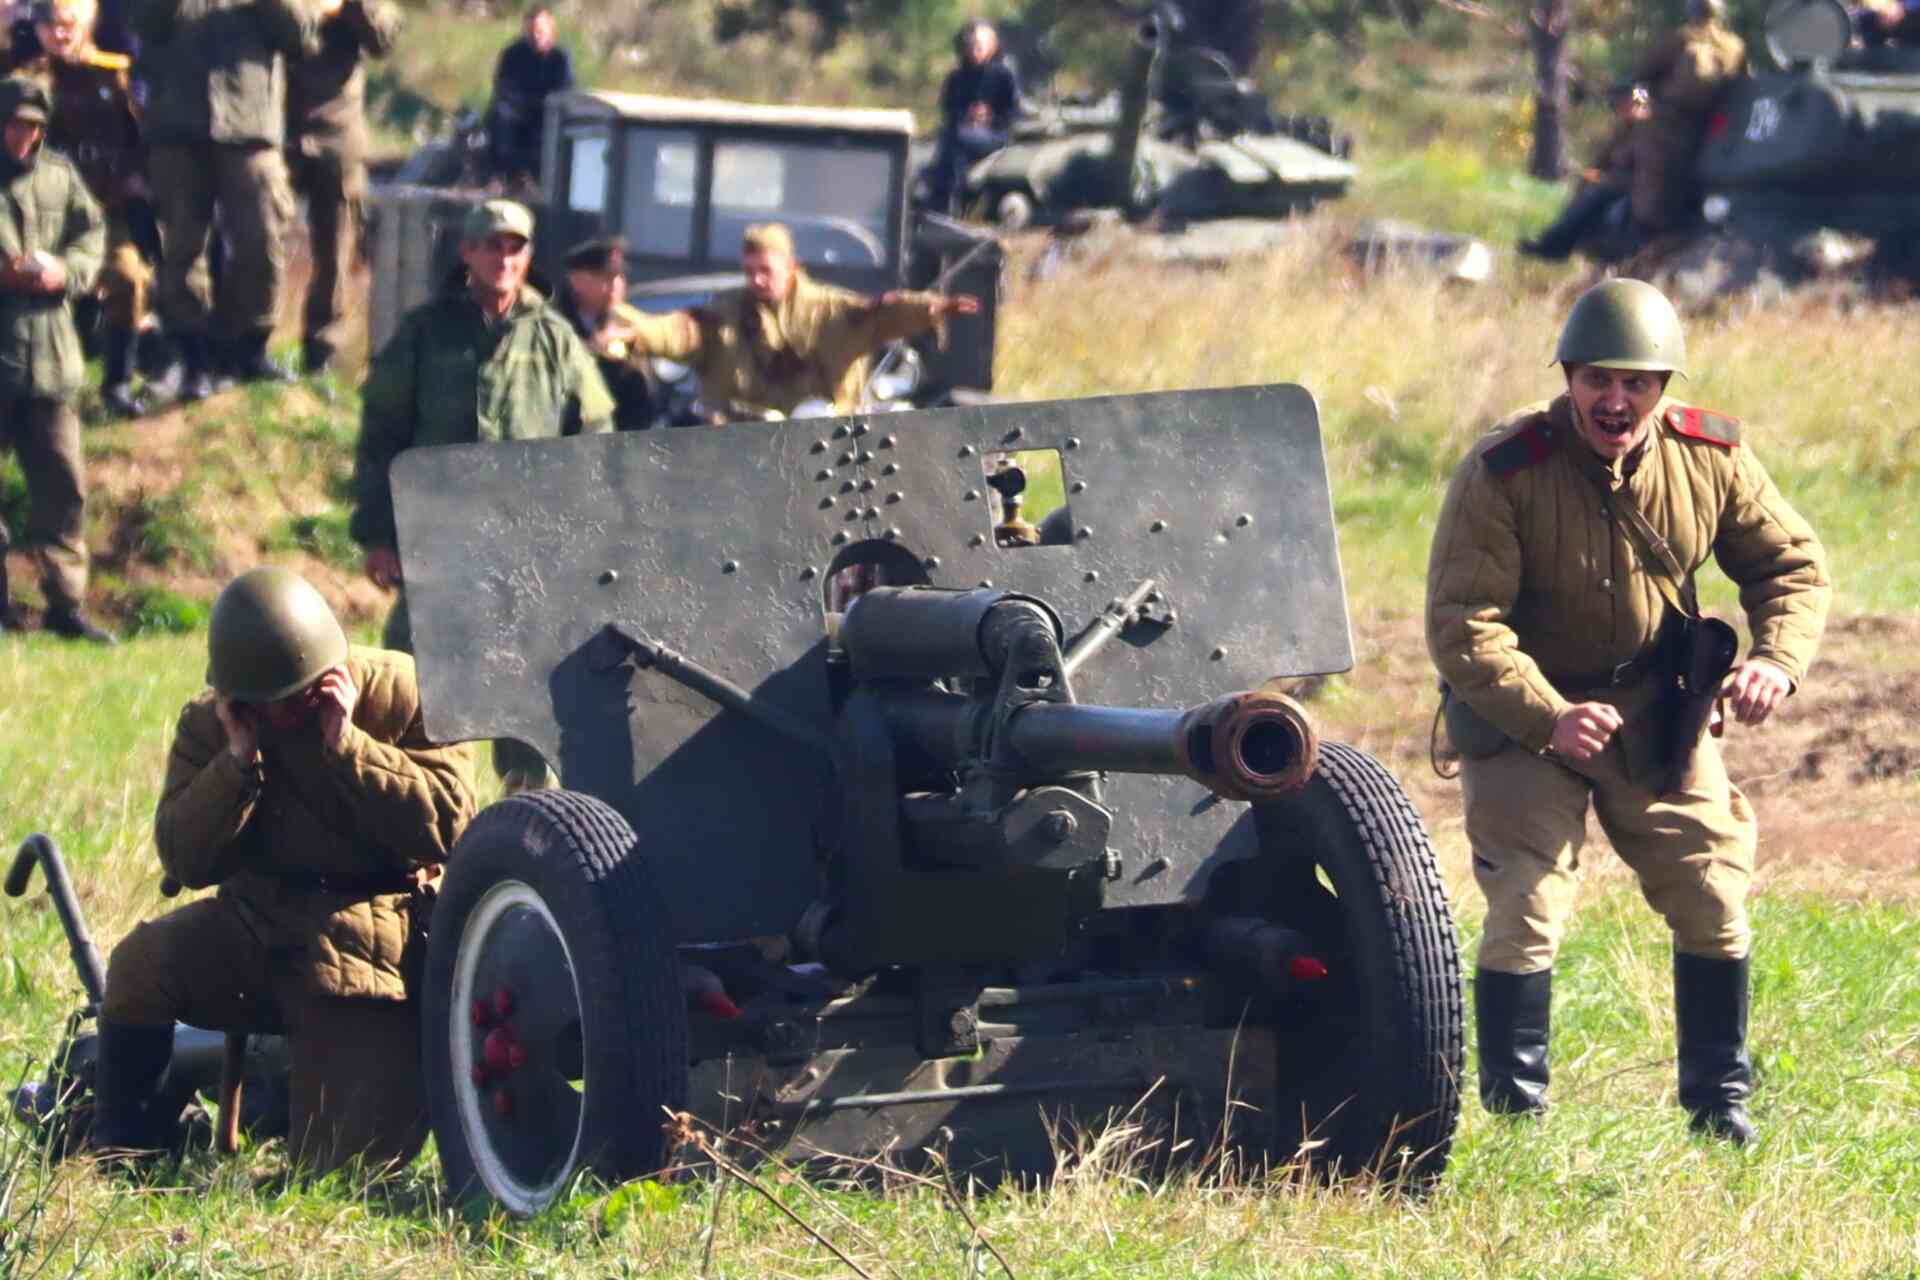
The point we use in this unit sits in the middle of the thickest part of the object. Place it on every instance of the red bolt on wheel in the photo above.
(495, 1051)
(503, 1003)
(1306, 969)
(481, 1014)
(516, 1055)
(502, 1103)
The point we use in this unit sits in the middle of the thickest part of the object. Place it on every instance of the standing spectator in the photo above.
(52, 237)
(327, 152)
(487, 360)
(96, 125)
(595, 301)
(978, 102)
(216, 114)
(529, 69)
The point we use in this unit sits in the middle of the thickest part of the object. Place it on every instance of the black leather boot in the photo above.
(1513, 1014)
(126, 1076)
(116, 384)
(198, 380)
(1710, 1001)
(253, 363)
(6, 598)
(75, 625)
(160, 362)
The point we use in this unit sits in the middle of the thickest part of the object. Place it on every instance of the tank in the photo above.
(1184, 138)
(1831, 140)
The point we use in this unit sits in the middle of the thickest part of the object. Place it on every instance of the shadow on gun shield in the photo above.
(904, 799)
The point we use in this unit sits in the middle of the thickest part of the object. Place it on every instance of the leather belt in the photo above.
(1623, 675)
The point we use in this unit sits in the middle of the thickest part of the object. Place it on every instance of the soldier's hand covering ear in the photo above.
(243, 732)
(337, 696)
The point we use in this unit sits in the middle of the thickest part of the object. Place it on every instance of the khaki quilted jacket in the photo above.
(1533, 573)
(310, 844)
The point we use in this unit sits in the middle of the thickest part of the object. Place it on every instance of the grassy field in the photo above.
(1406, 369)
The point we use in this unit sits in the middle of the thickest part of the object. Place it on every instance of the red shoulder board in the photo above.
(1704, 424)
(1533, 443)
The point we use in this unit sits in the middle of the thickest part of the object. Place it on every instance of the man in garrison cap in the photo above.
(52, 236)
(488, 359)
(96, 124)
(595, 301)
(786, 338)
(1580, 675)
(302, 784)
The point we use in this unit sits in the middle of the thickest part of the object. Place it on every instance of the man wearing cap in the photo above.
(96, 125)
(327, 156)
(1562, 617)
(1602, 201)
(488, 359)
(596, 304)
(302, 783)
(786, 338)
(1686, 73)
(52, 237)
(216, 115)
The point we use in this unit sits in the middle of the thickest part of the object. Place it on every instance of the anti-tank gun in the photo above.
(873, 827)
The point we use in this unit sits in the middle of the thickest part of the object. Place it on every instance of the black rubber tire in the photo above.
(1371, 1057)
(579, 858)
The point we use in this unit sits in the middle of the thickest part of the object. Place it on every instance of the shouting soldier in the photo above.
(1562, 616)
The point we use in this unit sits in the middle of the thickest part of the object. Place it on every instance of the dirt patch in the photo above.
(1834, 776)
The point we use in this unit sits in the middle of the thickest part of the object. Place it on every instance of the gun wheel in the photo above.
(555, 1028)
(1371, 1055)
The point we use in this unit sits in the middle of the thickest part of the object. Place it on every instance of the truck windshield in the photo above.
(835, 200)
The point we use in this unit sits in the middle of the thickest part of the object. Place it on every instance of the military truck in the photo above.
(680, 179)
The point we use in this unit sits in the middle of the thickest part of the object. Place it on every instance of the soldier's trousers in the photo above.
(45, 436)
(356, 1085)
(125, 278)
(248, 184)
(334, 183)
(1526, 821)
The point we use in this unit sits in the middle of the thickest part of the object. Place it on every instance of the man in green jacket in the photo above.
(327, 151)
(303, 784)
(216, 114)
(52, 239)
(487, 360)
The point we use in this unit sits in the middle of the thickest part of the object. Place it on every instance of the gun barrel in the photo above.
(1245, 746)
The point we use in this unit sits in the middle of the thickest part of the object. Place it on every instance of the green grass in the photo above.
(1608, 1185)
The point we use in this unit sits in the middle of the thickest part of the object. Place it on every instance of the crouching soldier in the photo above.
(303, 785)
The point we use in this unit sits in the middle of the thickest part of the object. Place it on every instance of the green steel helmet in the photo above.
(1624, 324)
(271, 635)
